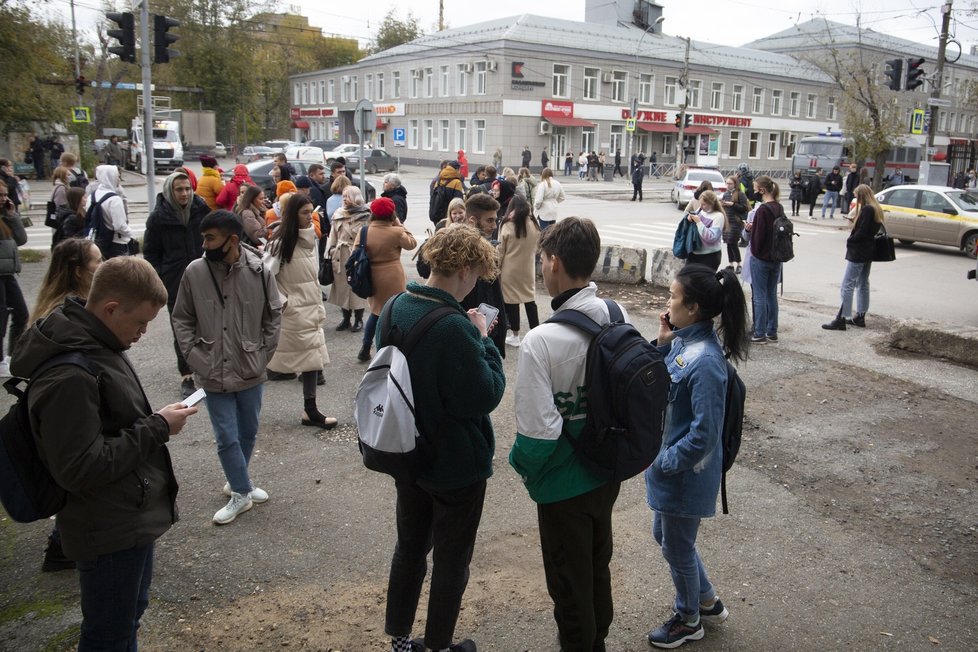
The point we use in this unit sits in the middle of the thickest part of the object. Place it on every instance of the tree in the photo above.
(395, 32)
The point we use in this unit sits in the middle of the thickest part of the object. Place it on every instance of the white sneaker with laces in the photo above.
(513, 339)
(258, 495)
(5, 368)
(237, 505)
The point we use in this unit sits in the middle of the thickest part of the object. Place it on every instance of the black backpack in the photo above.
(733, 426)
(95, 227)
(782, 238)
(626, 385)
(27, 490)
(358, 269)
(441, 197)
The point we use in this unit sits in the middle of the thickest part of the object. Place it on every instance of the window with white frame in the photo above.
(444, 80)
(428, 134)
(671, 90)
(443, 141)
(794, 103)
(330, 91)
(460, 134)
(354, 88)
(830, 107)
(561, 80)
(305, 92)
(592, 81)
(380, 86)
(345, 88)
(619, 86)
(733, 144)
(776, 97)
(368, 86)
(789, 147)
(322, 91)
(479, 144)
(941, 121)
(412, 134)
(461, 79)
(396, 83)
(588, 138)
(617, 135)
(757, 100)
(416, 82)
(753, 144)
(716, 96)
(694, 94)
(811, 105)
(429, 82)
(773, 144)
(737, 99)
(668, 144)
(646, 88)
(480, 78)
(297, 94)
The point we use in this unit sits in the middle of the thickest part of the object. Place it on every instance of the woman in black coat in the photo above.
(813, 191)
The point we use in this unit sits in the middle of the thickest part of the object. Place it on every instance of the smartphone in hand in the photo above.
(490, 313)
(194, 398)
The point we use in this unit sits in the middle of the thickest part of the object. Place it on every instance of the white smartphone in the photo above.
(194, 398)
(490, 312)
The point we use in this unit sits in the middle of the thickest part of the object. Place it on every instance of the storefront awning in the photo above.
(699, 129)
(569, 122)
(300, 124)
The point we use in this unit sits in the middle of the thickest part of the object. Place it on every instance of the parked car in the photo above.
(304, 153)
(342, 150)
(682, 191)
(255, 153)
(934, 214)
(279, 145)
(260, 173)
(376, 160)
(220, 151)
(325, 145)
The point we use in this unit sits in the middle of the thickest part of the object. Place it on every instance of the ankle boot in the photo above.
(345, 324)
(357, 321)
(858, 320)
(311, 416)
(837, 324)
(364, 354)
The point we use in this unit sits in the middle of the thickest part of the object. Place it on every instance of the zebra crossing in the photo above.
(652, 235)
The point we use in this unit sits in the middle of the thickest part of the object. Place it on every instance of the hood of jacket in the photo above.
(241, 174)
(108, 178)
(354, 213)
(181, 212)
(400, 190)
(448, 173)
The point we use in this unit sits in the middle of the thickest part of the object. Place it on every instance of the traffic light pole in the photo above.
(680, 145)
(936, 92)
(148, 158)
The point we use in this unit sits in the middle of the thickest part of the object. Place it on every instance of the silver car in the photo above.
(682, 191)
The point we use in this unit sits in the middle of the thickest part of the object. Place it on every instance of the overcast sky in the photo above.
(728, 22)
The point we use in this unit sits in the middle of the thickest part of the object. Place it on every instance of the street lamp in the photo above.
(634, 107)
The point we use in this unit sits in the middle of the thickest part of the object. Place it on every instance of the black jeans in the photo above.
(513, 315)
(733, 252)
(576, 541)
(114, 595)
(182, 366)
(637, 191)
(448, 523)
(796, 206)
(711, 260)
(811, 205)
(13, 308)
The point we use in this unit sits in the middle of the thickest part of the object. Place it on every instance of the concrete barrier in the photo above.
(936, 340)
(664, 267)
(618, 264)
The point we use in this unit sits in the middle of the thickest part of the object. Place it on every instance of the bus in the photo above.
(829, 150)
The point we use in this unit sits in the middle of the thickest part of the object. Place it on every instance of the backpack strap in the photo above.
(583, 322)
(75, 358)
(407, 341)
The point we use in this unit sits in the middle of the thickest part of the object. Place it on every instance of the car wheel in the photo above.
(680, 204)
(971, 244)
(906, 243)
(372, 169)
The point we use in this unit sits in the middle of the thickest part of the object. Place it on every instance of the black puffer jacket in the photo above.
(399, 197)
(169, 245)
(860, 244)
(98, 436)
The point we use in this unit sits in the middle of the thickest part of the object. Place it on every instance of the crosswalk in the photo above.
(654, 235)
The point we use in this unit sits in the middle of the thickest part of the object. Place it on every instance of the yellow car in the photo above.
(933, 214)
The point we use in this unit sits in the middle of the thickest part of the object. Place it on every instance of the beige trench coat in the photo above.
(517, 262)
(346, 225)
(385, 241)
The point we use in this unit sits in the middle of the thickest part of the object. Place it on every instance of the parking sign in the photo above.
(399, 137)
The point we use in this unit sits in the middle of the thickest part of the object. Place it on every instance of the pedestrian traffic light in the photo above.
(894, 74)
(914, 73)
(162, 38)
(126, 35)
(679, 120)
(689, 120)
(80, 84)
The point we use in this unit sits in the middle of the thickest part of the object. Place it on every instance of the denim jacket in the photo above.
(685, 477)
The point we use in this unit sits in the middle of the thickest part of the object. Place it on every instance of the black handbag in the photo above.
(326, 272)
(51, 216)
(884, 250)
(358, 269)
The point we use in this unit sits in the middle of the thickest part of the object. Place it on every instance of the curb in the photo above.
(934, 340)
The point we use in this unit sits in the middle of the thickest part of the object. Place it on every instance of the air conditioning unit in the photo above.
(785, 137)
(607, 78)
(417, 73)
(545, 128)
(491, 66)
(345, 79)
(468, 67)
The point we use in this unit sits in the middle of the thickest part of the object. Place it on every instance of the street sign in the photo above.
(81, 114)
(630, 124)
(938, 101)
(917, 121)
(400, 137)
(364, 119)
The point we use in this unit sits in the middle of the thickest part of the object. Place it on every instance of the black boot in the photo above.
(311, 416)
(54, 557)
(859, 320)
(357, 321)
(345, 324)
(364, 354)
(837, 324)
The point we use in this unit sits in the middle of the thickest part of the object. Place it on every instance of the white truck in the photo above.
(198, 129)
(167, 146)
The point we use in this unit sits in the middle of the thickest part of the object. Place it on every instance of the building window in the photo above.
(345, 89)
(757, 100)
(772, 145)
(694, 94)
(443, 141)
(396, 83)
(412, 134)
(380, 86)
(368, 87)
(429, 82)
(444, 81)
(672, 84)
(646, 89)
(561, 87)
(733, 145)
(737, 100)
(479, 145)
(428, 134)
(461, 79)
(619, 86)
(789, 147)
(941, 121)
(587, 139)
(592, 77)
(776, 97)
(668, 145)
(480, 78)
(460, 134)
(297, 94)
(322, 91)
(354, 88)
(616, 138)
(753, 145)
(716, 96)
(331, 91)
(811, 105)
(831, 108)
(794, 100)
(416, 82)
(305, 92)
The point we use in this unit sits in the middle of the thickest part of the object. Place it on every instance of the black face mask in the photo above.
(217, 254)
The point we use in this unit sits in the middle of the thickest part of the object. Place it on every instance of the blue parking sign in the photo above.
(399, 136)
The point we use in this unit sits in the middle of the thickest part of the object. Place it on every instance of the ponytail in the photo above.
(718, 293)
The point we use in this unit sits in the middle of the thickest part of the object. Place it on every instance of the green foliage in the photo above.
(394, 32)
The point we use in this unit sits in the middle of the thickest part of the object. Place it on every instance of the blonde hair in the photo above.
(710, 197)
(353, 194)
(458, 246)
(547, 175)
(458, 202)
(128, 280)
(60, 174)
(865, 197)
(340, 184)
(67, 275)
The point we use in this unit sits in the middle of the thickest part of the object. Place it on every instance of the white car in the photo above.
(342, 150)
(220, 151)
(682, 192)
(304, 153)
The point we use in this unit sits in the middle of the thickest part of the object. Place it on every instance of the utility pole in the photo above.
(148, 157)
(74, 39)
(936, 91)
(683, 83)
(441, 15)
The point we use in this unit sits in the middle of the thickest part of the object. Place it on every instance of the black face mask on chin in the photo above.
(217, 254)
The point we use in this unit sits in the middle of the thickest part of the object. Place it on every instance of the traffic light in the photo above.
(126, 35)
(162, 39)
(80, 84)
(914, 73)
(679, 120)
(689, 120)
(894, 74)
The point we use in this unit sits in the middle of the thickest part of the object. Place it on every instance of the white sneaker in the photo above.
(5, 368)
(513, 340)
(235, 506)
(257, 494)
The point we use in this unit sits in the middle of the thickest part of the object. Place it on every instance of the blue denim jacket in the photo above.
(685, 477)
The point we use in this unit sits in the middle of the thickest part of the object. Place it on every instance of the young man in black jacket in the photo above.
(833, 184)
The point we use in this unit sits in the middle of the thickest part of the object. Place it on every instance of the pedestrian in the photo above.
(229, 193)
(13, 308)
(654, 165)
(76, 176)
(10, 180)
(518, 236)
(544, 159)
(813, 191)
(497, 158)
(896, 179)
(710, 220)
(574, 505)
(301, 344)
(601, 160)
(797, 192)
(113, 152)
(617, 171)
(638, 176)
(251, 207)
(765, 273)
(860, 246)
(226, 320)
(526, 156)
(35, 152)
(833, 185)
(98, 436)
(548, 194)
(593, 165)
(581, 165)
(683, 481)
(59, 187)
(348, 219)
(114, 211)
(445, 188)
(283, 191)
(852, 180)
(481, 211)
(458, 380)
(71, 217)
(210, 185)
(526, 186)
(397, 193)
(736, 207)
(568, 163)
(56, 149)
(463, 169)
(172, 240)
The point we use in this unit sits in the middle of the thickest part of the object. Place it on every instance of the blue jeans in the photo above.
(764, 295)
(857, 276)
(369, 329)
(831, 197)
(114, 595)
(676, 535)
(234, 417)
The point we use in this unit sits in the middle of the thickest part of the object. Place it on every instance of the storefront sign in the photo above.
(557, 109)
(698, 119)
(389, 109)
(328, 112)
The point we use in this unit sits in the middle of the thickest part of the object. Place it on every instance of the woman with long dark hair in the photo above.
(518, 237)
(683, 481)
(71, 217)
(251, 207)
(301, 345)
(710, 220)
(12, 304)
(860, 247)
(73, 264)
(765, 273)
